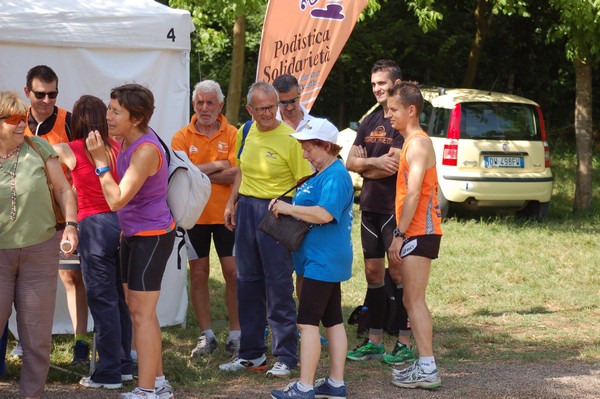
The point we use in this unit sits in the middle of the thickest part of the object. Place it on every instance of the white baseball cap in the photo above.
(318, 128)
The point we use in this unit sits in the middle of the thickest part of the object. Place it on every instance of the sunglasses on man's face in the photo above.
(289, 102)
(14, 119)
(40, 95)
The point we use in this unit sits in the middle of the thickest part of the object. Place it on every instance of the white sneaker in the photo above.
(165, 391)
(126, 377)
(205, 346)
(279, 370)
(88, 383)
(138, 394)
(239, 364)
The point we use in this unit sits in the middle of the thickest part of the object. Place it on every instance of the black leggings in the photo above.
(143, 260)
(320, 301)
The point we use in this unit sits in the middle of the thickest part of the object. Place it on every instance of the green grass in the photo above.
(502, 290)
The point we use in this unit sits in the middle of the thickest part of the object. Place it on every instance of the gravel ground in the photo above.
(487, 381)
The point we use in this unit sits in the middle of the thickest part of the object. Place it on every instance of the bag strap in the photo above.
(164, 146)
(300, 182)
(179, 232)
(245, 132)
(32, 145)
(30, 142)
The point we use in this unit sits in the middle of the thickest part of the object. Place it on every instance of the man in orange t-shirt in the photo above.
(418, 230)
(209, 142)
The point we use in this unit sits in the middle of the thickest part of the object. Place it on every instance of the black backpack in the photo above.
(360, 315)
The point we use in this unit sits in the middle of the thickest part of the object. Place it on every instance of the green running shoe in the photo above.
(367, 350)
(400, 355)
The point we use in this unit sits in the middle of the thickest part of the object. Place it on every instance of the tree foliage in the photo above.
(212, 43)
(579, 25)
(430, 41)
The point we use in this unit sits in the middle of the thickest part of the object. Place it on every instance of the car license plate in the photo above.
(504, 162)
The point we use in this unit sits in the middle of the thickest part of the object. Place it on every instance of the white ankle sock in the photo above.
(427, 363)
(335, 383)
(209, 333)
(159, 381)
(304, 387)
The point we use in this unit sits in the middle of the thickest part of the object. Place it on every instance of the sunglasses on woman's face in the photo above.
(14, 119)
(40, 95)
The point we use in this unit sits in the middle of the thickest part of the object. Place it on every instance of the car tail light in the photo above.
(543, 132)
(450, 154)
(546, 155)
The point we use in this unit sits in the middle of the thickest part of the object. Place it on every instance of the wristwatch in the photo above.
(102, 170)
(398, 233)
(74, 224)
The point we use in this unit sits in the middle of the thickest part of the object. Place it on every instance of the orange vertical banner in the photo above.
(304, 38)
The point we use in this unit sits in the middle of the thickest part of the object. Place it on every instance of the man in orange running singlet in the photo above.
(418, 231)
(45, 119)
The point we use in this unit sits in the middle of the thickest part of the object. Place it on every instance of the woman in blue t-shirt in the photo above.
(324, 258)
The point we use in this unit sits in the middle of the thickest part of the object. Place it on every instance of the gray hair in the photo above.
(208, 86)
(261, 86)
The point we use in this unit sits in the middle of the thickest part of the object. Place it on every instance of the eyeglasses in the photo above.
(261, 110)
(40, 95)
(289, 102)
(14, 119)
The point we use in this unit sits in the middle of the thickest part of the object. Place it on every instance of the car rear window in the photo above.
(499, 121)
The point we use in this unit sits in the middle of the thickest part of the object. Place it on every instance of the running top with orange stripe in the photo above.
(428, 217)
(58, 134)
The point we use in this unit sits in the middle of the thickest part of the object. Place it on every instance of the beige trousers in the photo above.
(28, 279)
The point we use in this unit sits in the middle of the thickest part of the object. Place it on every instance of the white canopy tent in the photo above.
(93, 47)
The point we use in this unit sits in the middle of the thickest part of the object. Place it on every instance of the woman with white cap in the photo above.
(324, 258)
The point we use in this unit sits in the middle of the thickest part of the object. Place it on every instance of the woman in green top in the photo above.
(29, 243)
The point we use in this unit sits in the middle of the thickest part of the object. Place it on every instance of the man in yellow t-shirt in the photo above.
(209, 142)
(270, 163)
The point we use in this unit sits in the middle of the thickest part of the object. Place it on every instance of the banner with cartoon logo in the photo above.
(304, 38)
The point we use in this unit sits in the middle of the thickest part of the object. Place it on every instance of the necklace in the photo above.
(11, 153)
(13, 191)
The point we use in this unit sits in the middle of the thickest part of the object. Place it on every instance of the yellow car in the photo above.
(491, 150)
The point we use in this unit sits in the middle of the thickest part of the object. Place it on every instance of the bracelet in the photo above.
(101, 171)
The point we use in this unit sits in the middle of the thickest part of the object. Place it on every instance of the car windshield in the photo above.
(505, 121)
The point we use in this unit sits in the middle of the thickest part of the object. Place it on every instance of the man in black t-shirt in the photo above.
(375, 156)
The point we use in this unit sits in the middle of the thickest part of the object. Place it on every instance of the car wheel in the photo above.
(443, 203)
(535, 211)
(542, 212)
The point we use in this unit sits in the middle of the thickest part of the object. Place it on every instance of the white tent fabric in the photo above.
(93, 47)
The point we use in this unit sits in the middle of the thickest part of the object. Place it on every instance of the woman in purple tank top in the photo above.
(140, 200)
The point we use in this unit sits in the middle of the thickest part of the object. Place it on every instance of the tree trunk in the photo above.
(483, 27)
(583, 135)
(234, 91)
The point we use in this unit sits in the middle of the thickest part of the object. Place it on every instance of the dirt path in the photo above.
(502, 380)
